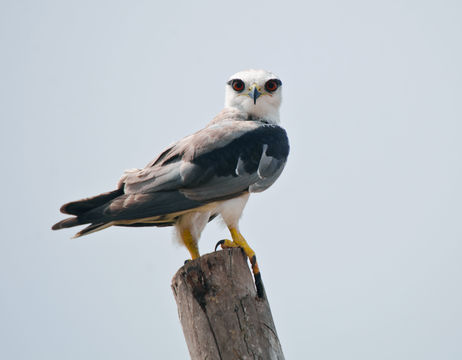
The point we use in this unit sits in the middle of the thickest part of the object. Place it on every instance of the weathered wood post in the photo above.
(221, 315)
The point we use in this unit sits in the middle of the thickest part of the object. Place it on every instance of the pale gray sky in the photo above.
(359, 241)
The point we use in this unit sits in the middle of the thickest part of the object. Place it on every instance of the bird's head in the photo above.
(255, 92)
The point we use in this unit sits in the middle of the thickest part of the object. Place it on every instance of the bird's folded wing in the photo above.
(218, 162)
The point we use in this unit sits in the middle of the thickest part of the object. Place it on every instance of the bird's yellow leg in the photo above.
(239, 241)
(190, 243)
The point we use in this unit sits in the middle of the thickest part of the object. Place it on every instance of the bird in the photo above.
(210, 173)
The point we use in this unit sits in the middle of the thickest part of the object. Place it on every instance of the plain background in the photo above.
(359, 241)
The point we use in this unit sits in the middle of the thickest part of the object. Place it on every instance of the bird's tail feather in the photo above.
(66, 223)
(82, 206)
(92, 228)
(74, 221)
(116, 208)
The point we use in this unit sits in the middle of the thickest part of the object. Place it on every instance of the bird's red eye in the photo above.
(238, 85)
(271, 85)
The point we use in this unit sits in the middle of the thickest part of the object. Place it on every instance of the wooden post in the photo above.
(221, 315)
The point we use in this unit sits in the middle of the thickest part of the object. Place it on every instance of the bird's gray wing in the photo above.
(219, 162)
(171, 169)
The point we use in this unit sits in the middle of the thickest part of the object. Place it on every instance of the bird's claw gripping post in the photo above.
(226, 244)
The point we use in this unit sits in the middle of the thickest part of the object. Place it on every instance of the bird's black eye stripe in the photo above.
(237, 85)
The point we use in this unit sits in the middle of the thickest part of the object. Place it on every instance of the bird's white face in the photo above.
(255, 92)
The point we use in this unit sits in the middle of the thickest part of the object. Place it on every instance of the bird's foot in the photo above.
(226, 244)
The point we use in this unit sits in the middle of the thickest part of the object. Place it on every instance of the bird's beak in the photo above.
(254, 93)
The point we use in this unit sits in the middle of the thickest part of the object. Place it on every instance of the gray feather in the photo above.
(138, 206)
(265, 183)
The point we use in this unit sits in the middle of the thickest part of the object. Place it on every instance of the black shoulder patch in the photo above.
(248, 147)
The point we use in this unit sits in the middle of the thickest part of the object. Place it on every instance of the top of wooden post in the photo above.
(221, 314)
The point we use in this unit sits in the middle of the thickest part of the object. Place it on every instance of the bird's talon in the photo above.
(220, 243)
(226, 244)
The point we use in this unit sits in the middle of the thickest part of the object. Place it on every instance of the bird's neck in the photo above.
(268, 113)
